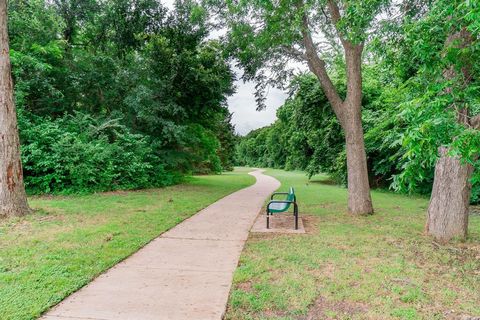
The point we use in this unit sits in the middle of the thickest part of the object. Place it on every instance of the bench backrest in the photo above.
(291, 194)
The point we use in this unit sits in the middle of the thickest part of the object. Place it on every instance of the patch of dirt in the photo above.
(269, 314)
(326, 270)
(454, 315)
(325, 309)
(23, 224)
(283, 221)
(48, 196)
(245, 286)
(259, 236)
(310, 223)
(327, 182)
(51, 218)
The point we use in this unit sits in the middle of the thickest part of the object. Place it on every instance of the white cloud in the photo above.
(243, 105)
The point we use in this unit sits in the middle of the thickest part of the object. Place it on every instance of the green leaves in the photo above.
(64, 156)
(357, 18)
(125, 86)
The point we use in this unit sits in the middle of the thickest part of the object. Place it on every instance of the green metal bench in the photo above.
(278, 206)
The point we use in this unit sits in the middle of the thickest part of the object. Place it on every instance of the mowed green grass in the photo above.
(68, 241)
(345, 267)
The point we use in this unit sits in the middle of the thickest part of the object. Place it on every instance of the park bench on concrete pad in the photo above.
(278, 206)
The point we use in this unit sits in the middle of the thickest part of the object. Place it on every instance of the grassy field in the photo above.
(376, 267)
(68, 241)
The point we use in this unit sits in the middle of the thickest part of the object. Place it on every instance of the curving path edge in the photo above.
(185, 273)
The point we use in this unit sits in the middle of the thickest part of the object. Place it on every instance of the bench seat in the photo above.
(278, 207)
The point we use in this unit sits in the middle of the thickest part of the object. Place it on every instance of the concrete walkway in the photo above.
(186, 273)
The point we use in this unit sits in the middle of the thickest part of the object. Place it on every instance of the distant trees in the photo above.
(13, 200)
(306, 137)
(307, 134)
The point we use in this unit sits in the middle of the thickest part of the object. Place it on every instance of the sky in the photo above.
(242, 104)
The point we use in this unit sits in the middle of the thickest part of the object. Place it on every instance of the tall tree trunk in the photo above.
(447, 215)
(359, 200)
(348, 111)
(13, 200)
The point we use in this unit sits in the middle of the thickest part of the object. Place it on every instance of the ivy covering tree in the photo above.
(118, 94)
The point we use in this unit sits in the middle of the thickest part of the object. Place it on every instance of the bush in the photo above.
(80, 153)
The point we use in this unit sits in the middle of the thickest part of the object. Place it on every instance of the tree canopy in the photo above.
(118, 94)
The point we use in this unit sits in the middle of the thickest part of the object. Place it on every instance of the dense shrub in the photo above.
(79, 153)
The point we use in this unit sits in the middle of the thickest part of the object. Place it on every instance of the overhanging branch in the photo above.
(318, 67)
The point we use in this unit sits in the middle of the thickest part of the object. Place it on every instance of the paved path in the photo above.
(186, 273)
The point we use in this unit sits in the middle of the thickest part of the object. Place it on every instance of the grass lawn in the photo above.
(68, 241)
(376, 267)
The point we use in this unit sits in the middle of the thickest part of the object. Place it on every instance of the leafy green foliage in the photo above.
(118, 94)
(401, 155)
(265, 37)
(307, 135)
(78, 153)
(438, 91)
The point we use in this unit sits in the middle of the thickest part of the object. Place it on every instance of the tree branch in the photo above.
(317, 66)
(295, 53)
(353, 60)
(335, 17)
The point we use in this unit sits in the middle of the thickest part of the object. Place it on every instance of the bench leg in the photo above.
(268, 220)
(295, 212)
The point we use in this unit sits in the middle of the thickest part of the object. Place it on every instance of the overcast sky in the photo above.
(242, 103)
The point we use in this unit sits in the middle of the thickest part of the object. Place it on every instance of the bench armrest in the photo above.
(278, 193)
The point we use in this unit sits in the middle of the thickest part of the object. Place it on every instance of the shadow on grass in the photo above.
(324, 181)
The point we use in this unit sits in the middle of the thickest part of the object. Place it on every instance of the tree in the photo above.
(447, 215)
(441, 138)
(13, 199)
(266, 35)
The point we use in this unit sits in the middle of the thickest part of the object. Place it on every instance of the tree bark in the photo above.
(359, 200)
(447, 215)
(13, 200)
